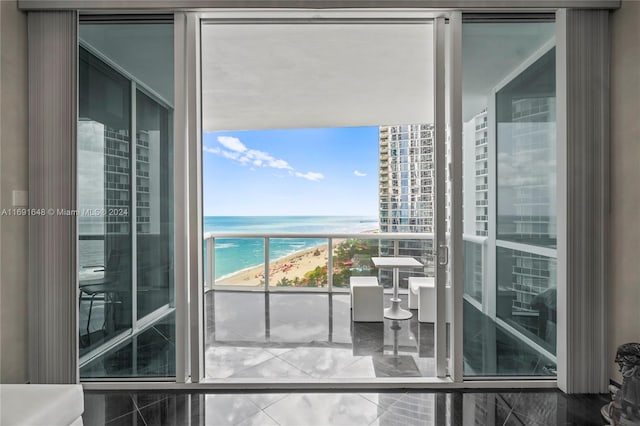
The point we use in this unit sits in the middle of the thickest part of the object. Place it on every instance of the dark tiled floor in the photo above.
(352, 409)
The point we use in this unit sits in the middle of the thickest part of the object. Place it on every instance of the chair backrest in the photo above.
(117, 264)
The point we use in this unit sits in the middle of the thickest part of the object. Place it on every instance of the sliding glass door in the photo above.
(104, 247)
(125, 200)
(509, 187)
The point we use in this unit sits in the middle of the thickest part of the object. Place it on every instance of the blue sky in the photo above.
(291, 172)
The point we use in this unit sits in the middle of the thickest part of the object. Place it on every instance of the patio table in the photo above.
(395, 263)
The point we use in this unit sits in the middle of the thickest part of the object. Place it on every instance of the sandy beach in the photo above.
(290, 267)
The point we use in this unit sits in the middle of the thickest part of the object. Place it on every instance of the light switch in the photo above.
(20, 198)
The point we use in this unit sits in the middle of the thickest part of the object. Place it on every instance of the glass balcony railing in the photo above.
(308, 261)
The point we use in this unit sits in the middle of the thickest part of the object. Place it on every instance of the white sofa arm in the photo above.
(41, 405)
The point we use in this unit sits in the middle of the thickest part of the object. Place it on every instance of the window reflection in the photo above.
(526, 143)
(125, 200)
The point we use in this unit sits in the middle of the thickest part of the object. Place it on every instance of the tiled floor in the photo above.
(308, 336)
(311, 336)
(349, 409)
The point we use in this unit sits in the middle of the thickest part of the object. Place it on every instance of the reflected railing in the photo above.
(536, 327)
(475, 268)
(320, 262)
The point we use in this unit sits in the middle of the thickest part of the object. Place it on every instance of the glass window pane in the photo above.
(526, 294)
(352, 257)
(509, 196)
(526, 143)
(239, 261)
(298, 262)
(474, 268)
(125, 196)
(104, 196)
(154, 205)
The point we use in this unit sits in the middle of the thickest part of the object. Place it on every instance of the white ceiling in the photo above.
(266, 76)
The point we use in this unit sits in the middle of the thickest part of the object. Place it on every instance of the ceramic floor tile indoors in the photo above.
(527, 408)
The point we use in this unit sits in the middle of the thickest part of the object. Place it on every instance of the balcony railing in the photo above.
(475, 268)
(325, 262)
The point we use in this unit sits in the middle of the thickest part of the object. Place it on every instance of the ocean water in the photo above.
(236, 254)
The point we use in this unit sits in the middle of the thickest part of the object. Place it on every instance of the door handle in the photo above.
(443, 255)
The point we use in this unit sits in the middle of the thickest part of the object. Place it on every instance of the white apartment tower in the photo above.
(481, 175)
(406, 178)
(407, 190)
(534, 201)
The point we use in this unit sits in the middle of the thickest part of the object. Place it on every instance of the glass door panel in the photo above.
(154, 205)
(104, 201)
(509, 174)
(125, 200)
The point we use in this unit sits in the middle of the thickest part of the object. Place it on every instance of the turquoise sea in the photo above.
(236, 254)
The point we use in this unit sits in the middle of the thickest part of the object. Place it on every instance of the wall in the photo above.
(13, 175)
(624, 295)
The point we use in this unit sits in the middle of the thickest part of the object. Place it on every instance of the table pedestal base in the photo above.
(396, 312)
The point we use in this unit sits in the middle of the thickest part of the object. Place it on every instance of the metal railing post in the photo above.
(330, 264)
(211, 256)
(266, 264)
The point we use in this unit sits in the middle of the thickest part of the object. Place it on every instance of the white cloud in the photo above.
(211, 150)
(231, 155)
(232, 143)
(310, 176)
(254, 154)
(279, 164)
(233, 149)
(359, 173)
(264, 159)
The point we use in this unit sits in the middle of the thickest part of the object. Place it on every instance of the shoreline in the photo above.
(261, 265)
(290, 267)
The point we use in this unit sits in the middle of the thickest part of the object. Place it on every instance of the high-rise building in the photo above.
(481, 175)
(147, 181)
(107, 150)
(534, 199)
(407, 190)
(533, 275)
(406, 178)
(475, 203)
